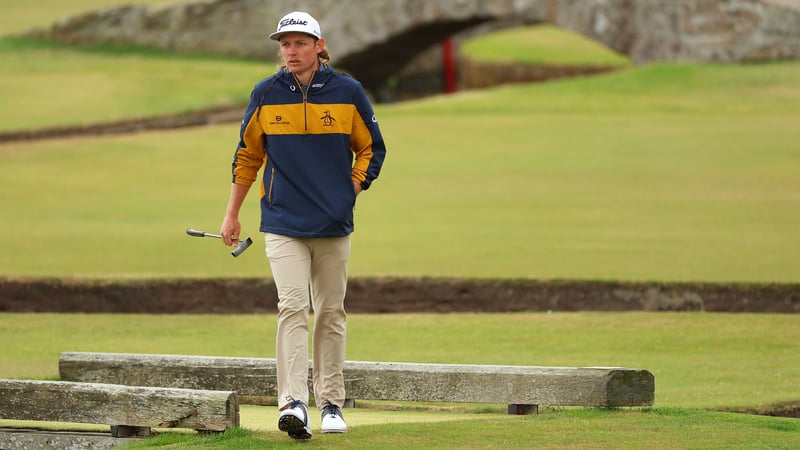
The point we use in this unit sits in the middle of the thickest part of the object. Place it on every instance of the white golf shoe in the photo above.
(332, 419)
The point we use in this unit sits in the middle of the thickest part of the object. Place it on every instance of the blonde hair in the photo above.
(324, 56)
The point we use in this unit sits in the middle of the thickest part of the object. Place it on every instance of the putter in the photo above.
(243, 244)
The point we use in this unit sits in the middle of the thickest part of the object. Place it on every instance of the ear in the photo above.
(320, 45)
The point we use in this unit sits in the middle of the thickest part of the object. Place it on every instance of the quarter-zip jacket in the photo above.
(314, 142)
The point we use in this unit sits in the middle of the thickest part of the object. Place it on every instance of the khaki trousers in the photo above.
(310, 269)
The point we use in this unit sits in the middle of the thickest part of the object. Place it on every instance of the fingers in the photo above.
(230, 235)
(230, 239)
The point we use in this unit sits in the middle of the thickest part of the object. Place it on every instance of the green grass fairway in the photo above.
(47, 85)
(668, 172)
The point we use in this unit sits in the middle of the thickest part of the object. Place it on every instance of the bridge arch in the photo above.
(376, 63)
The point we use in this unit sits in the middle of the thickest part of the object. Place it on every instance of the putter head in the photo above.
(241, 247)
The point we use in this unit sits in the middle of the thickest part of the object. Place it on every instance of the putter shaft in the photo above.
(198, 233)
(243, 244)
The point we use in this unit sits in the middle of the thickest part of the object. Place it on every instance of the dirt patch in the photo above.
(393, 295)
(201, 117)
(783, 409)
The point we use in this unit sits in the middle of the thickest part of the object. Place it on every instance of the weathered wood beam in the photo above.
(513, 385)
(128, 408)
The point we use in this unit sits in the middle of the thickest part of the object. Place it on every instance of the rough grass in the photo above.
(590, 428)
(637, 428)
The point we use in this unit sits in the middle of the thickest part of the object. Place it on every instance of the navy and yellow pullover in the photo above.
(314, 141)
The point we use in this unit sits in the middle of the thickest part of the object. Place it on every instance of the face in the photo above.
(299, 52)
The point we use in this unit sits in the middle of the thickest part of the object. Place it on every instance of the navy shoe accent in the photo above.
(294, 421)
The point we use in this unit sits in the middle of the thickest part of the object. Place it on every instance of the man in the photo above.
(316, 135)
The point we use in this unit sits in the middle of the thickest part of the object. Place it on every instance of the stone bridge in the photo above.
(375, 39)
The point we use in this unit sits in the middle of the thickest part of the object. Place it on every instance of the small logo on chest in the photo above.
(279, 120)
(327, 119)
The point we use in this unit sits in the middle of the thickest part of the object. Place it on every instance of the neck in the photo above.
(304, 80)
(305, 77)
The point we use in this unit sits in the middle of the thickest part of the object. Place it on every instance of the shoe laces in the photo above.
(293, 403)
(331, 410)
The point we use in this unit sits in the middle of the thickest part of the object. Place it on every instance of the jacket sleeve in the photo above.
(249, 155)
(366, 142)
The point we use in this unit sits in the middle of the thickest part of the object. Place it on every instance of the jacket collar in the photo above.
(318, 80)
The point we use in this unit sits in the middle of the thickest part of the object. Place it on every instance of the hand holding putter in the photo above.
(235, 252)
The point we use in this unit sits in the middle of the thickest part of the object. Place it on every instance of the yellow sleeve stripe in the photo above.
(250, 155)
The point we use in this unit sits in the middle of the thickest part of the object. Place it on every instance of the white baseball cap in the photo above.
(297, 22)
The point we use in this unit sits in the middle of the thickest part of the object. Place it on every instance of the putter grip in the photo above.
(195, 233)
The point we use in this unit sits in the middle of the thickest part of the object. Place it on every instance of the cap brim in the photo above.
(278, 34)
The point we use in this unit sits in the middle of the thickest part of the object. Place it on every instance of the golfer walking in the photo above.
(314, 132)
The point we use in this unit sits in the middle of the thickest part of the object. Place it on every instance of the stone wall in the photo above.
(376, 39)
